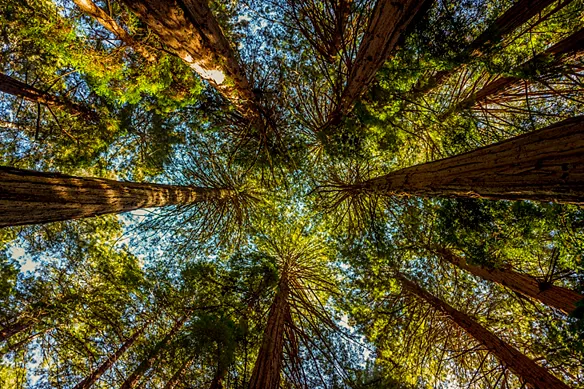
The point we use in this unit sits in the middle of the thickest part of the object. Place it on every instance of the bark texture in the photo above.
(266, 371)
(91, 9)
(388, 21)
(20, 89)
(30, 197)
(557, 297)
(178, 376)
(529, 371)
(108, 363)
(544, 165)
(190, 30)
(153, 355)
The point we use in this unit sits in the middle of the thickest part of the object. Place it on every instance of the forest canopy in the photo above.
(264, 194)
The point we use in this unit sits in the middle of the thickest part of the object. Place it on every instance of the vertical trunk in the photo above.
(153, 356)
(217, 382)
(105, 366)
(177, 377)
(266, 371)
(190, 30)
(388, 21)
(17, 88)
(29, 197)
(530, 372)
(544, 165)
(554, 296)
(89, 7)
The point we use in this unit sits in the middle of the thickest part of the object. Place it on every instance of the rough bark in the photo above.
(190, 30)
(544, 165)
(153, 355)
(179, 374)
(30, 197)
(557, 297)
(266, 371)
(20, 89)
(529, 371)
(91, 9)
(518, 14)
(388, 21)
(88, 381)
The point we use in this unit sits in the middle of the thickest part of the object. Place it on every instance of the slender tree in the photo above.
(179, 374)
(544, 165)
(518, 363)
(29, 197)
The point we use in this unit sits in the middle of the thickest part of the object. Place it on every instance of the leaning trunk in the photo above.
(17, 88)
(29, 197)
(554, 296)
(16, 328)
(105, 366)
(518, 363)
(177, 377)
(153, 356)
(544, 165)
(266, 371)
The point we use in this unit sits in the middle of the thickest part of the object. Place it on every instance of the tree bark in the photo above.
(544, 165)
(153, 356)
(190, 30)
(30, 197)
(518, 363)
(557, 297)
(220, 374)
(268, 366)
(20, 89)
(388, 21)
(91, 9)
(178, 375)
(17, 327)
(88, 382)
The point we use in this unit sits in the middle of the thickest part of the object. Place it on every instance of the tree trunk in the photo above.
(217, 382)
(554, 296)
(544, 165)
(29, 197)
(190, 30)
(388, 21)
(268, 366)
(153, 356)
(17, 327)
(518, 14)
(108, 363)
(526, 369)
(17, 88)
(176, 378)
(89, 7)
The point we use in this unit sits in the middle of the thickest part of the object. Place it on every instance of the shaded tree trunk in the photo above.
(544, 165)
(220, 374)
(30, 197)
(179, 374)
(388, 21)
(190, 30)
(518, 363)
(268, 366)
(17, 327)
(153, 355)
(20, 89)
(88, 382)
(557, 297)
(91, 9)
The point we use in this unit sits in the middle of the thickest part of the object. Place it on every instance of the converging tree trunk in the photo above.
(544, 165)
(557, 297)
(153, 355)
(18, 326)
(526, 369)
(220, 374)
(20, 89)
(268, 366)
(30, 197)
(88, 381)
(388, 21)
(179, 374)
(91, 9)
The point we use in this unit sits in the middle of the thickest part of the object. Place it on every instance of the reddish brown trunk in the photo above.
(29, 197)
(89, 7)
(522, 366)
(17, 88)
(544, 165)
(266, 371)
(554, 296)
(108, 363)
(217, 382)
(177, 377)
(153, 356)
(388, 21)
